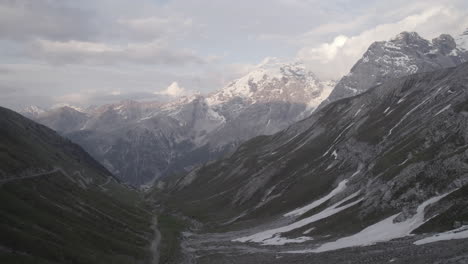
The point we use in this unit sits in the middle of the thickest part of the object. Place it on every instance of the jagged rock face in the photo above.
(406, 54)
(141, 141)
(396, 145)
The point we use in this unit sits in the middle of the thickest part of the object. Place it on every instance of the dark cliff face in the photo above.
(394, 147)
(406, 54)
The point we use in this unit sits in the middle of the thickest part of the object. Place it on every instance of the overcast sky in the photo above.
(99, 51)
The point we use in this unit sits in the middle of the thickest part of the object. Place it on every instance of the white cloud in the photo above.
(173, 90)
(334, 59)
(139, 46)
(326, 52)
(47, 84)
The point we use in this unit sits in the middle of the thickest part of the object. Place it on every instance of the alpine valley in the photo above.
(276, 167)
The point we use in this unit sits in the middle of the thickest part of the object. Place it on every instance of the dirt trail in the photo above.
(156, 241)
(2, 181)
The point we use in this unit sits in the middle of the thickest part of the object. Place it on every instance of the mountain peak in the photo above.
(407, 37)
(406, 54)
(67, 109)
(265, 76)
(63, 105)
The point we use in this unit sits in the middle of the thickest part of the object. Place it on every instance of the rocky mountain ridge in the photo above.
(406, 54)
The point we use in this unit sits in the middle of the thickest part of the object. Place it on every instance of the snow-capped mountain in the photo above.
(275, 81)
(193, 129)
(74, 107)
(268, 99)
(406, 54)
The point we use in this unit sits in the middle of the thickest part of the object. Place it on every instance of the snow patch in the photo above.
(382, 231)
(460, 233)
(308, 231)
(334, 154)
(300, 211)
(265, 236)
(353, 90)
(358, 111)
(279, 241)
(443, 109)
(414, 109)
(337, 138)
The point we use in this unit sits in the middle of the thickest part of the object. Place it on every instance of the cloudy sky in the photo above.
(99, 51)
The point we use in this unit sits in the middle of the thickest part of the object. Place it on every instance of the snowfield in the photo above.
(382, 231)
(459, 233)
(300, 211)
(270, 237)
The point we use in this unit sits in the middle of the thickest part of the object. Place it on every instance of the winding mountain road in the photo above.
(3, 181)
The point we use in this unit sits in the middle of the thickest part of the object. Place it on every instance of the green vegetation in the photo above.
(50, 219)
(58, 205)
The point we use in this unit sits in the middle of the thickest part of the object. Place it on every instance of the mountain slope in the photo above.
(393, 158)
(192, 130)
(58, 205)
(405, 54)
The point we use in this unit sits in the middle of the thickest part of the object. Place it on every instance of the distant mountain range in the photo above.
(142, 141)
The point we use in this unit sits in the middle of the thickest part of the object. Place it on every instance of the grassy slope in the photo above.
(57, 218)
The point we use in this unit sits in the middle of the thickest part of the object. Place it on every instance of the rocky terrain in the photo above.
(406, 54)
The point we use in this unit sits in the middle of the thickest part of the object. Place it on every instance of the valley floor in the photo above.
(217, 248)
(198, 247)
